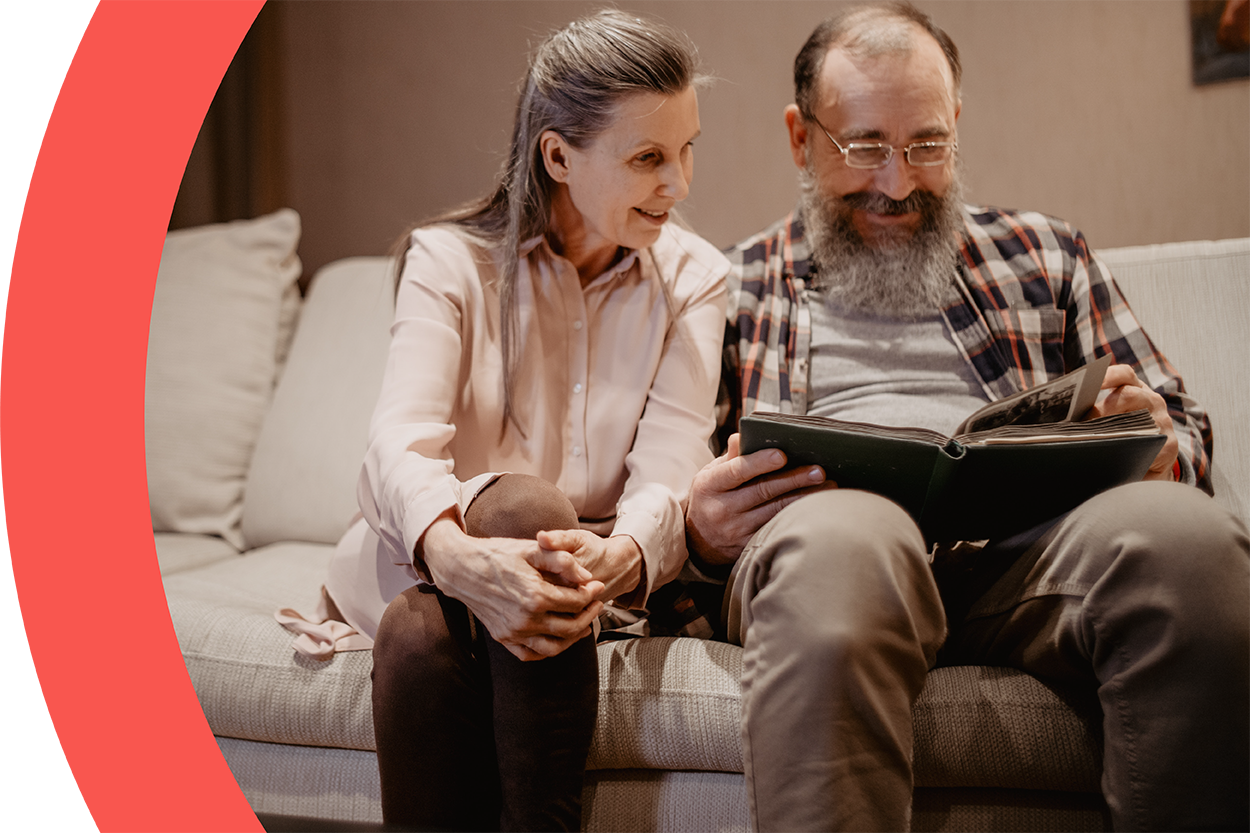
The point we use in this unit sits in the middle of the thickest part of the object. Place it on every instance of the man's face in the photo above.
(893, 98)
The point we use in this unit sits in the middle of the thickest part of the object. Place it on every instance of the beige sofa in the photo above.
(256, 427)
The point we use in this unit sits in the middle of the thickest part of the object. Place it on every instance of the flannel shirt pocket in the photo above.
(1033, 338)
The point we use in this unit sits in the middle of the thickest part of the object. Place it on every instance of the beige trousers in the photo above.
(1143, 593)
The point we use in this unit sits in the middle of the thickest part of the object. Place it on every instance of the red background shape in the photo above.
(100, 106)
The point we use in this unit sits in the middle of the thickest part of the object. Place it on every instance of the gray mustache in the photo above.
(878, 203)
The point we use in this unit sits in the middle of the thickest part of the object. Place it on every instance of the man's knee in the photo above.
(1182, 534)
(846, 572)
(518, 506)
(1170, 550)
(842, 531)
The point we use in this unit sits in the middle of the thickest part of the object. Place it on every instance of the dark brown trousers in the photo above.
(468, 736)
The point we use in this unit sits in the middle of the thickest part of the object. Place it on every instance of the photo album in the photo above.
(1014, 463)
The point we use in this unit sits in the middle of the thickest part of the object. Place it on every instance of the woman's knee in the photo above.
(421, 634)
(518, 506)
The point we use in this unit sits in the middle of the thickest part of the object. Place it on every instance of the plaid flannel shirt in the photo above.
(1028, 302)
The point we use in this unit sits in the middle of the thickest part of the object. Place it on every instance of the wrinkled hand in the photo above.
(615, 561)
(1128, 393)
(734, 495)
(534, 601)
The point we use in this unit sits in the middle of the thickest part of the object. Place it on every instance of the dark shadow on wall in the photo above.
(236, 169)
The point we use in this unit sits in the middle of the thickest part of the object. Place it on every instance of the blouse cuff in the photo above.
(426, 508)
(655, 544)
(419, 516)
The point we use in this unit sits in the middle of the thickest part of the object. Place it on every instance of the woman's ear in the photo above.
(555, 153)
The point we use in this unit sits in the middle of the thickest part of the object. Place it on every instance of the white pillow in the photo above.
(222, 316)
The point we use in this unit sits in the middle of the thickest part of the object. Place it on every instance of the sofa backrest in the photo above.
(302, 481)
(1193, 299)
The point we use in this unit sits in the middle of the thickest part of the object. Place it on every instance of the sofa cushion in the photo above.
(1203, 335)
(675, 703)
(665, 702)
(302, 484)
(669, 703)
(222, 313)
(982, 726)
(178, 551)
(249, 681)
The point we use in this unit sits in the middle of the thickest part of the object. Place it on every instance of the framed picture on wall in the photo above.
(1220, 30)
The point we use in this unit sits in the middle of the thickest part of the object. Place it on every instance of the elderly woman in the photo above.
(547, 400)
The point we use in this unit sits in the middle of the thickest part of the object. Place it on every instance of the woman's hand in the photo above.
(615, 561)
(535, 601)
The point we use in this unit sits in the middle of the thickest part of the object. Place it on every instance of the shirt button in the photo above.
(577, 325)
(577, 451)
(577, 388)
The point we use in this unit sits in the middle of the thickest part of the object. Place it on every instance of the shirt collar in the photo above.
(620, 267)
(801, 265)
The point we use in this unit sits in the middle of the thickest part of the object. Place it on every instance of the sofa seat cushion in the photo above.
(981, 726)
(675, 703)
(669, 703)
(249, 681)
(666, 703)
(179, 551)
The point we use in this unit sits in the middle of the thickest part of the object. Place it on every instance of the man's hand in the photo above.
(534, 601)
(1128, 393)
(733, 496)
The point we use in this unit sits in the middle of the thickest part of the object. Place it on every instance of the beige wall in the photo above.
(1083, 109)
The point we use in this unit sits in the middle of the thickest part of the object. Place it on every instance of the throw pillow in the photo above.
(222, 316)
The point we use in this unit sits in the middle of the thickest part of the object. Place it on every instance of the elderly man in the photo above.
(885, 299)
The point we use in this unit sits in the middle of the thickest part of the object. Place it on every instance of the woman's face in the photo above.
(624, 183)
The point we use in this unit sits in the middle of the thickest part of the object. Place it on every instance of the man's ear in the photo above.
(555, 153)
(796, 126)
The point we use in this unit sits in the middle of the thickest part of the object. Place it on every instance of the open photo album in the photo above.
(1014, 463)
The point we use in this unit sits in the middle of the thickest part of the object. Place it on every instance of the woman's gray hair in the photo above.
(577, 78)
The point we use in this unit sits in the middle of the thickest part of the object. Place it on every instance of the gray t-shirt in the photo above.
(888, 372)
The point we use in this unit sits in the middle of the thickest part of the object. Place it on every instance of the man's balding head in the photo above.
(882, 227)
(867, 32)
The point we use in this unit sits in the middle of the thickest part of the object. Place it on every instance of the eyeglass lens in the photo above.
(928, 154)
(876, 156)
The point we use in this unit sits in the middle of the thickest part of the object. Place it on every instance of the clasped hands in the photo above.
(536, 598)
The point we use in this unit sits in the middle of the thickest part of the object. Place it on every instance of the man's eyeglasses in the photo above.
(871, 155)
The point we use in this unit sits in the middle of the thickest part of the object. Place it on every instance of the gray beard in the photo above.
(906, 278)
